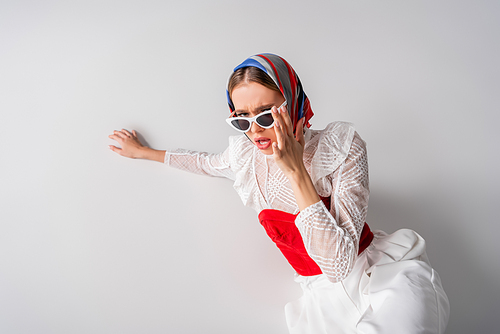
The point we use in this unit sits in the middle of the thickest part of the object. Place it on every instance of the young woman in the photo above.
(311, 191)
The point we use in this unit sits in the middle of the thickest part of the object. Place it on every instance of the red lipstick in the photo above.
(262, 143)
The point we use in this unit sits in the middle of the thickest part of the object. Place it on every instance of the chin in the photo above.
(268, 151)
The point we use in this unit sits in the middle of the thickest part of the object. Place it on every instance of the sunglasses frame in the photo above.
(252, 119)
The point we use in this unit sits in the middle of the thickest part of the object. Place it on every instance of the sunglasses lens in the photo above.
(265, 120)
(241, 124)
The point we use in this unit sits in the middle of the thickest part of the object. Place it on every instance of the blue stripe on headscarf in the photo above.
(301, 108)
(250, 62)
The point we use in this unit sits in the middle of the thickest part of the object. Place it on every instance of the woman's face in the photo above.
(249, 100)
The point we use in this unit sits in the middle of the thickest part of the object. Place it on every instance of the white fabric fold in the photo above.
(391, 289)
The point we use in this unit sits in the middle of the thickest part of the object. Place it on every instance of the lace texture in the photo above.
(200, 162)
(337, 162)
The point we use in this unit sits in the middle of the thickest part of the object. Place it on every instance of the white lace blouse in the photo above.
(336, 160)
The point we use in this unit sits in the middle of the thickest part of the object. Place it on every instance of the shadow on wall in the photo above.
(473, 292)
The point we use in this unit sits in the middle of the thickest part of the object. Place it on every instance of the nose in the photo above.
(256, 128)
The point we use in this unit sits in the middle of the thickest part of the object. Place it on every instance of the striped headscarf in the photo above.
(286, 80)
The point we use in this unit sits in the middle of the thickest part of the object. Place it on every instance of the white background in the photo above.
(91, 242)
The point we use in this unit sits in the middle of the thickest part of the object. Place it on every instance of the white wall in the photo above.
(91, 242)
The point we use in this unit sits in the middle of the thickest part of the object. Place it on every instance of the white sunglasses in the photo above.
(243, 124)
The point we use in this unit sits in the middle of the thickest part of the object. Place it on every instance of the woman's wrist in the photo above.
(151, 154)
(298, 175)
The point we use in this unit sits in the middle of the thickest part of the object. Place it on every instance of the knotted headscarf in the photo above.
(286, 80)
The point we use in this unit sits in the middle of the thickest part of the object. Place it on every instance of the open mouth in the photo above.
(262, 143)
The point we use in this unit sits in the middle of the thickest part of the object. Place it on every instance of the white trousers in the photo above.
(391, 289)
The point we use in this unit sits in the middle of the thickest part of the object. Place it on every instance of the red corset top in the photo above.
(280, 227)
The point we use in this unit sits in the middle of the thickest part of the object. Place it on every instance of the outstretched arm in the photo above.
(131, 147)
(192, 161)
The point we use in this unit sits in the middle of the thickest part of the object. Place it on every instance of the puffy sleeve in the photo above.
(331, 237)
(203, 163)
